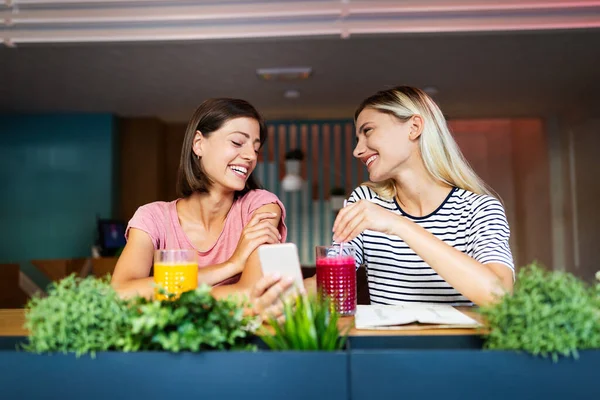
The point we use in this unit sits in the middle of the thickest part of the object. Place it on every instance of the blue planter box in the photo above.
(419, 367)
(408, 367)
(160, 375)
(422, 342)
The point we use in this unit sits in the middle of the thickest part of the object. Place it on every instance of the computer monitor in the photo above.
(111, 235)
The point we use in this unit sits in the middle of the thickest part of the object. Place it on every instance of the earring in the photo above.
(198, 157)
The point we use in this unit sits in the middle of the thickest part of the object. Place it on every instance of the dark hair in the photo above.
(209, 117)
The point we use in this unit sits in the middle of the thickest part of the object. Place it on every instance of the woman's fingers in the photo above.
(349, 231)
(258, 217)
(273, 294)
(258, 225)
(277, 310)
(271, 232)
(259, 228)
(354, 233)
(255, 243)
(347, 224)
(263, 284)
(341, 216)
(349, 213)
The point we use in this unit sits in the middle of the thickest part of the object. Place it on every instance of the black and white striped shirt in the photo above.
(474, 224)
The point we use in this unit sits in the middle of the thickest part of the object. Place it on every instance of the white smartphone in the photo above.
(282, 259)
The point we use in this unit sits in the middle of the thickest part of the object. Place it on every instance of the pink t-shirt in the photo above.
(160, 221)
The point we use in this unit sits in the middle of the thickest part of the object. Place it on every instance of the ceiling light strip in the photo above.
(300, 30)
(120, 11)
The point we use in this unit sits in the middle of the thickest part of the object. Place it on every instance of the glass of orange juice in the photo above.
(176, 271)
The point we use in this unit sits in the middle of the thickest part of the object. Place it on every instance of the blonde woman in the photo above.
(425, 224)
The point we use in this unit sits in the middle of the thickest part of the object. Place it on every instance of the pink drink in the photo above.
(336, 278)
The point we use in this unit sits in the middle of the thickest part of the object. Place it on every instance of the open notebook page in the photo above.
(381, 316)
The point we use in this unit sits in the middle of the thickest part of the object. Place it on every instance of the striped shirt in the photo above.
(474, 224)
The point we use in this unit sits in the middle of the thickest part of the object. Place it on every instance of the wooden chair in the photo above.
(103, 266)
(362, 286)
(11, 294)
(57, 269)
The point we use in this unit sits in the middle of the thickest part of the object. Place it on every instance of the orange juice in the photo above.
(175, 278)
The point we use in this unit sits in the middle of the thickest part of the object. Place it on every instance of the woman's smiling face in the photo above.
(229, 154)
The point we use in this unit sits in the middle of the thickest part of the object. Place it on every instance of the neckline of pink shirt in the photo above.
(175, 221)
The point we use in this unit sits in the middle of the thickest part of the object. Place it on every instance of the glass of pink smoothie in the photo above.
(336, 276)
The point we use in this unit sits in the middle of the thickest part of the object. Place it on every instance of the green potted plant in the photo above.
(78, 316)
(309, 323)
(195, 321)
(549, 313)
(86, 315)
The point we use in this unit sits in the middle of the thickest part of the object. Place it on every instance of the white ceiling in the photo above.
(477, 74)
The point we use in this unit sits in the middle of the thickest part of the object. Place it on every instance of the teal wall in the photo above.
(56, 175)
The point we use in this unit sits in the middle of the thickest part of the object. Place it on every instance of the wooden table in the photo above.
(12, 320)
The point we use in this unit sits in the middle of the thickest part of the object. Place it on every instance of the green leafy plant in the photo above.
(195, 321)
(309, 325)
(87, 315)
(78, 315)
(597, 290)
(549, 314)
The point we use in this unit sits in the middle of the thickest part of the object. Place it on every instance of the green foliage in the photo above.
(548, 314)
(195, 321)
(309, 325)
(597, 290)
(87, 315)
(78, 315)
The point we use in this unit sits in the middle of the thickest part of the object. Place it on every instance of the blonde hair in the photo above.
(441, 155)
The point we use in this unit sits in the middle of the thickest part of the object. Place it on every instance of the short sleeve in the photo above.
(257, 198)
(489, 234)
(146, 219)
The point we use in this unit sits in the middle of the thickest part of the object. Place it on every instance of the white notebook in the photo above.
(397, 316)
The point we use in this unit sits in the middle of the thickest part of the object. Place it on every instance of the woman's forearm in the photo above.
(236, 290)
(214, 274)
(143, 287)
(472, 279)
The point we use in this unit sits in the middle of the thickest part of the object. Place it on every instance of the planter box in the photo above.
(424, 342)
(419, 367)
(161, 375)
(455, 368)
